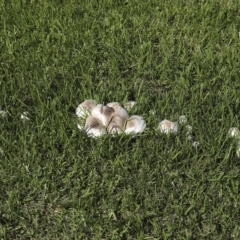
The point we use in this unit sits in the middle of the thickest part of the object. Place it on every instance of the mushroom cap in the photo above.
(234, 132)
(196, 144)
(189, 129)
(118, 122)
(167, 126)
(183, 119)
(103, 114)
(129, 105)
(24, 116)
(135, 124)
(114, 105)
(3, 114)
(94, 127)
(85, 107)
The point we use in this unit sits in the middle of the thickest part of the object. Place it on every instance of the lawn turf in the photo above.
(174, 57)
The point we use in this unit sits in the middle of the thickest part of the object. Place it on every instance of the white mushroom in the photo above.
(189, 132)
(24, 116)
(94, 127)
(85, 108)
(196, 144)
(189, 137)
(135, 124)
(182, 119)
(103, 113)
(189, 129)
(234, 133)
(3, 114)
(152, 112)
(114, 105)
(118, 121)
(129, 105)
(167, 126)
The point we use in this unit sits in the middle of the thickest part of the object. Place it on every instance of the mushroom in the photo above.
(196, 144)
(234, 133)
(135, 124)
(24, 116)
(85, 108)
(129, 105)
(182, 119)
(152, 112)
(189, 129)
(3, 114)
(119, 119)
(94, 127)
(189, 132)
(103, 113)
(167, 126)
(114, 105)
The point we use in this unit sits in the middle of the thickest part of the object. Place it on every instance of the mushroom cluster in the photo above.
(98, 119)
(169, 127)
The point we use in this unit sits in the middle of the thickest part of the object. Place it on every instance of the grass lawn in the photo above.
(172, 57)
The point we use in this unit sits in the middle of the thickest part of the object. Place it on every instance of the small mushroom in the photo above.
(118, 121)
(94, 127)
(182, 119)
(189, 132)
(85, 108)
(24, 116)
(189, 137)
(152, 112)
(189, 129)
(167, 126)
(3, 114)
(103, 113)
(129, 105)
(196, 144)
(135, 124)
(234, 133)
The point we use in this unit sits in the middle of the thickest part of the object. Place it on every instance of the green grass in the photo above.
(175, 57)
